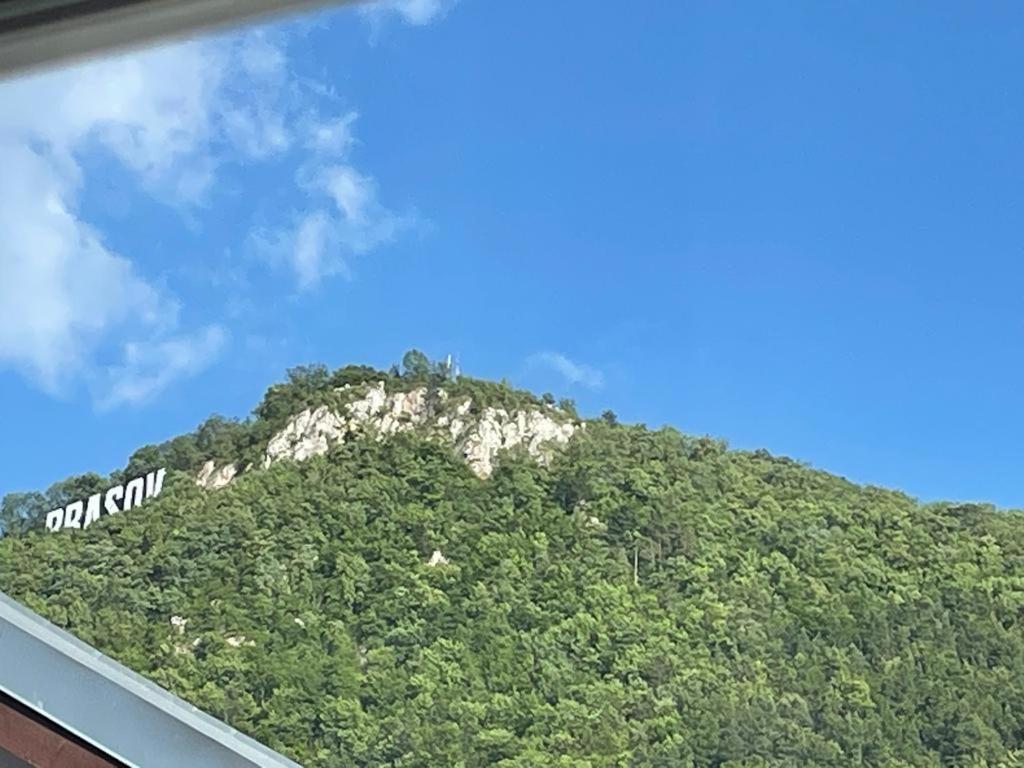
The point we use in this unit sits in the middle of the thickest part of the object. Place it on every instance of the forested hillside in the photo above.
(643, 598)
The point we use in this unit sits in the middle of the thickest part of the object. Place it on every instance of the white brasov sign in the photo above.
(120, 498)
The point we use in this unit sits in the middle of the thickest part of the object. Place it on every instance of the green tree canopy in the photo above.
(644, 598)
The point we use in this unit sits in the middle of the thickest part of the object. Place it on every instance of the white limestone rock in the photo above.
(380, 413)
(387, 414)
(205, 473)
(403, 411)
(437, 559)
(211, 478)
(497, 430)
(456, 423)
(370, 405)
(308, 434)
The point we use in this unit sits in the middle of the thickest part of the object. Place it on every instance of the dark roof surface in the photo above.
(34, 33)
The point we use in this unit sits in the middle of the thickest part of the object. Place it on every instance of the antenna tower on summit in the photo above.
(451, 366)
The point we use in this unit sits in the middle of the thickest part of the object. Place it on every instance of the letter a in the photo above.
(92, 510)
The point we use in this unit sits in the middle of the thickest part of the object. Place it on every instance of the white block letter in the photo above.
(73, 514)
(55, 520)
(92, 510)
(154, 482)
(134, 493)
(114, 495)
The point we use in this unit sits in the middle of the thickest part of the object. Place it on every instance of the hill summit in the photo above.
(412, 568)
(371, 410)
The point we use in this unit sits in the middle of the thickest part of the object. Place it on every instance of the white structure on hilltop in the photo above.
(451, 367)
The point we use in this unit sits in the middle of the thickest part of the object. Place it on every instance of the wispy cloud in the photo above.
(572, 371)
(172, 116)
(61, 289)
(64, 291)
(332, 135)
(344, 218)
(169, 115)
(149, 368)
(415, 12)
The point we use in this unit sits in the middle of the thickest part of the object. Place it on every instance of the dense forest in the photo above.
(646, 598)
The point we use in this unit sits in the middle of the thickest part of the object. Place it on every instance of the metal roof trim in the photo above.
(64, 32)
(111, 707)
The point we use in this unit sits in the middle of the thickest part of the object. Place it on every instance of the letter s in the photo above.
(113, 496)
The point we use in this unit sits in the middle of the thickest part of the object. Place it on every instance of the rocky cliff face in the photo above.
(213, 478)
(497, 429)
(373, 411)
(310, 433)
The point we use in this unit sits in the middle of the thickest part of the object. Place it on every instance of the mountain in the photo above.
(414, 569)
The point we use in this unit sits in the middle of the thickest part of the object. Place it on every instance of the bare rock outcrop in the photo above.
(307, 434)
(311, 432)
(387, 413)
(477, 439)
(212, 478)
(437, 559)
(376, 412)
(497, 429)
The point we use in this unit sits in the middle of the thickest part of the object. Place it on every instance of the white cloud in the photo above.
(61, 289)
(327, 239)
(257, 98)
(415, 12)
(170, 113)
(332, 136)
(571, 371)
(148, 368)
(174, 116)
(355, 195)
(345, 219)
(151, 110)
(309, 248)
(167, 115)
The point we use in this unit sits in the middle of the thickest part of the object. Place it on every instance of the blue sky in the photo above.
(792, 226)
